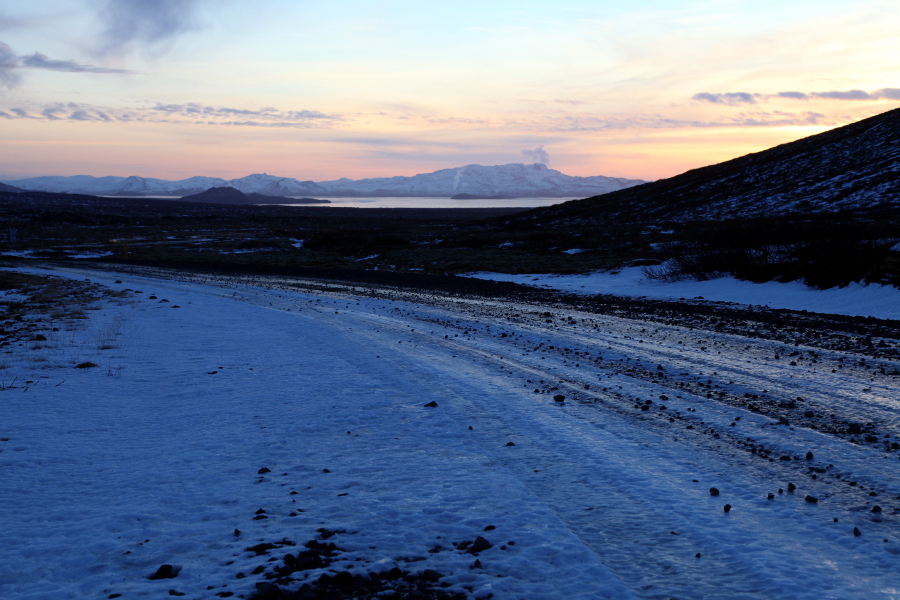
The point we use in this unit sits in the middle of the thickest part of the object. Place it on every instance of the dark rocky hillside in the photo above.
(849, 168)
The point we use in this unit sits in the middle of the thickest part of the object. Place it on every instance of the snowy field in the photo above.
(881, 301)
(260, 411)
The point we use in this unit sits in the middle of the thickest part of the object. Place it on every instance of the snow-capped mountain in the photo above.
(509, 180)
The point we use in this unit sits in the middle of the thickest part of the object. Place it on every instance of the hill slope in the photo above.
(852, 167)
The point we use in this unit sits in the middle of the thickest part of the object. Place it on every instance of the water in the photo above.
(435, 202)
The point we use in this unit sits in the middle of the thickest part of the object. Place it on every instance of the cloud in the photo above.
(266, 114)
(189, 113)
(538, 155)
(145, 22)
(40, 61)
(729, 98)
(736, 98)
(9, 62)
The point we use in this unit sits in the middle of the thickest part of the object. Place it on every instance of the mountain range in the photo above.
(514, 180)
(854, 167)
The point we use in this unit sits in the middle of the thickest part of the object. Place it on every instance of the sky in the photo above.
(642, 89)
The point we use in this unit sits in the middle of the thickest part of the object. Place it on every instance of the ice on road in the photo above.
(261, 408)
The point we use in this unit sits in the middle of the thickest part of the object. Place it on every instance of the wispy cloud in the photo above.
(738, 98)
(189, 113)
(9, 62)
(729, 98)
(11, 65)
(145, 23)
(40, 61)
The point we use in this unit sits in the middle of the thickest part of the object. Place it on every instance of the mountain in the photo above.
(9, 188)
(518, 180)
(502, 180)
(230, 195)
(853, 167)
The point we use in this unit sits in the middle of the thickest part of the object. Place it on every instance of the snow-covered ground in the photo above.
(881, 301)
(159, 455)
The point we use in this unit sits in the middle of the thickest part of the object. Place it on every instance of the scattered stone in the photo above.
(876, 509)
(811, 499)
(431, 404)
(559, 398)
(809, 456)
(791, 487)
(165, 572)
(490, 528)
(264, 470)
(771, 496)
(727, 508)
(510, 444)
(713, 491)
(479, 545)
(854, 429)
(857, 532)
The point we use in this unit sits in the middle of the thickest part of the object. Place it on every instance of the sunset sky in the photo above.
(320, 90)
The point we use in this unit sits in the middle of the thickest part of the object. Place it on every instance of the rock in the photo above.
(267, 591)
(237, 532)
(791, 487)
(165, 572)
(811, 499)
(809, 414)
(431, 575)
(854, 429)
(490, 528)
(479, 545)
(264, 470)
(476, 564)
(176, 593)
(771, 496)
(876, 509)
(713, 491)
(431, 404)
(785, 458)
(510, 444)
(809, 456)
(727, 508)
(857, 532)
(559, 398)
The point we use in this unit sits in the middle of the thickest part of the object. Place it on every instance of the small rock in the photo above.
(264, 470)
(809, 456)
(857, 532)
(479, 545)
(490, 528)
(727, 508)
(771, 496)
(811, 499)
(785, 458)
(165, 572)
(267, 590)
(237, 532)
(791, 487)
(510, 444)
(431, 575)
(713, 492)
(559, 398)
(876, 509)
(431, 404)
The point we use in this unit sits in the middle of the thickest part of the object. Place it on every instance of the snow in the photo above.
(153, 456)
(880, 301)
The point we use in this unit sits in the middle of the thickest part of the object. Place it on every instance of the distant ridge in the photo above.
(853, 167)
(230, 195)
(513, 180)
